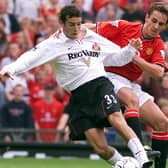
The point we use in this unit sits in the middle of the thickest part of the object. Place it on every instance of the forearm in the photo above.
(154, 70)
(23, 63)
(41, 54)
(122, 57)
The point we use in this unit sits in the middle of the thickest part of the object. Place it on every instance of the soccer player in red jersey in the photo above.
(151, 60)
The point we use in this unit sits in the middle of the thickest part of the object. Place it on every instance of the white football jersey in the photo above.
(76, 61)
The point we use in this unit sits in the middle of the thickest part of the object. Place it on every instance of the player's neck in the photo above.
(144, 35)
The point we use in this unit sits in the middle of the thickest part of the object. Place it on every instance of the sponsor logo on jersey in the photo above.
(149, 51)
(83, 53)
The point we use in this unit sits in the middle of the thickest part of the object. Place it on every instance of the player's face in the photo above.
(154, 24)
(72, 27)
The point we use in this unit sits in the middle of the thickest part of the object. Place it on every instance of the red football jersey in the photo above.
(36, 91)
(120, 32)
(47, 116)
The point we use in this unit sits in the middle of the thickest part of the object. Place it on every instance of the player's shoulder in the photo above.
(159, 41)
(55, 39)
(56, 35)
(158, 38)
(119, 23)
(128, 23)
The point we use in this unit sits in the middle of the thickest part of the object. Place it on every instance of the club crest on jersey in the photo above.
(149, 51)
(95, 47)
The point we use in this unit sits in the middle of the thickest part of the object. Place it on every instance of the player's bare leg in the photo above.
(97, 140)
(131, 102)
(118, 122)
(151, 114)
(132, 116)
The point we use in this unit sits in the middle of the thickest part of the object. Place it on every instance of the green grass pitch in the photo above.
(53, 163)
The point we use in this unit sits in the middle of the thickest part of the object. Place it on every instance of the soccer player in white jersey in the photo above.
(76, 53)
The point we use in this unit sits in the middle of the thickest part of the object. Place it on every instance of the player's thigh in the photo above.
(118, 81)
(142, 96)
(123, 89)
(151, 114)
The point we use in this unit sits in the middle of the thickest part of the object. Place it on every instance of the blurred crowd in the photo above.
(34, 100)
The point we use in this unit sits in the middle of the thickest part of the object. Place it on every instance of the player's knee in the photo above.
(132, 101)
(161, 126)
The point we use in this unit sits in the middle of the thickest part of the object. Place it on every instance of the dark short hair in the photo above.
(158, 7)
(69, 11)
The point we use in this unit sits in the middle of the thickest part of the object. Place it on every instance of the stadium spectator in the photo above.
(103, 13)
(25, 37)
(10, 6)
(97, 5)
(11, 23)
(36, 84)
(150, 60)
(39, 28)
(2, 95)
(13, 52)
(50, 7)
(18, 115)
(22, 9)
(48, 112)
(86, 15)
(52, 23)
(164, 34)
(62, 95)
(134, 12)
(3, 39)
(77, 52)
(10, 84)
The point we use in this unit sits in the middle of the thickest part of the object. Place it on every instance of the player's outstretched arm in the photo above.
(155, 70)
(122, 56)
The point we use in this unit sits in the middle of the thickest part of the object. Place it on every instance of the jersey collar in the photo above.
(64, 38)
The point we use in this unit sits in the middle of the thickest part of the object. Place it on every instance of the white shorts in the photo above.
(120, 82)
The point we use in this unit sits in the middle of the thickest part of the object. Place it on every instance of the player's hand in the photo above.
(6, 74)
(136, 43)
